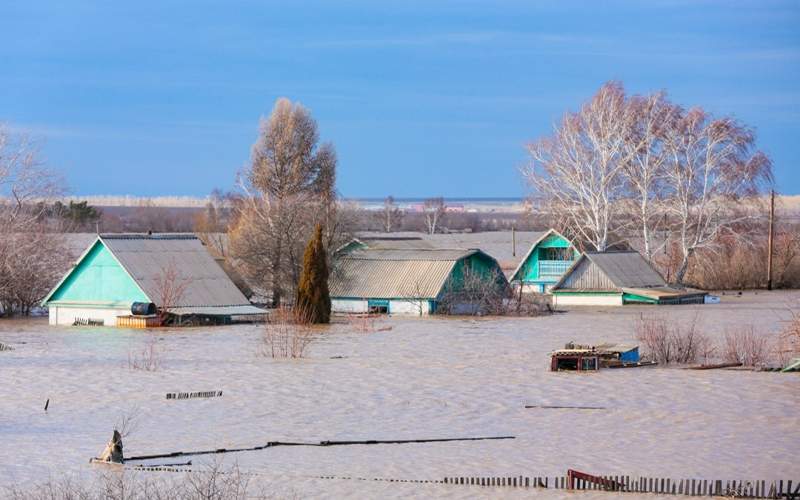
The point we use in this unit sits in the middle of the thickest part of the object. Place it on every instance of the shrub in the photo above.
(743, 345)
(667, 342)
(287, 334)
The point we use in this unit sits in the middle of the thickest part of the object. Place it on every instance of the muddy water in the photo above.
(424, 378)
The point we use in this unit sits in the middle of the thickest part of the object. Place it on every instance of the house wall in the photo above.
(408, 306)
(587, 276)
(530, 272)
(396, 306)
(482, 265)
(587, 299)
(349, 306)
(99, 278)
(61, 315)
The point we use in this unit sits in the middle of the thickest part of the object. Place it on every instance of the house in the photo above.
(545, 262)
(506, 247)
(118, 270)
(617, 278)
(406, 281)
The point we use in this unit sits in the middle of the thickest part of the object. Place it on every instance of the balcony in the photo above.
(553, 268)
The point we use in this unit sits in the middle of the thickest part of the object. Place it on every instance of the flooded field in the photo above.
(423, 378)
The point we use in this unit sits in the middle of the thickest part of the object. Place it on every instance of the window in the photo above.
(555, 254)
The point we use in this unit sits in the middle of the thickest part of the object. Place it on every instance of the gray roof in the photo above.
(145, 258)
(497, 244)
(392, 274)
(618, 270)
(627, 269)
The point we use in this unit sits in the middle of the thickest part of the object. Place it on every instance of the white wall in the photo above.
(67, 315)
(587, 300)
(416, 307)
(401, 306)
(349, 306)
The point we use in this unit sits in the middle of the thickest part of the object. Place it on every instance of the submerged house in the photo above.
(406, 281)
(119, 270)
(616, 278)
(545, 262)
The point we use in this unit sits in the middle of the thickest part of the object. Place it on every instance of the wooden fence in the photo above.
(691, 487)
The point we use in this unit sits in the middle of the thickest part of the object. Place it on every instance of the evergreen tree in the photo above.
(313, 299)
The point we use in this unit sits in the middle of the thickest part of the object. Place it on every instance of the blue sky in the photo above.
(420, 98)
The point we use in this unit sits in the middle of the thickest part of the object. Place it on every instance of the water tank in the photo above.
(143, 308)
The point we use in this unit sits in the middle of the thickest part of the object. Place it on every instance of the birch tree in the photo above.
(644, 169)
(578, 171)
(434, 210)
(390, 215)
(714, 174)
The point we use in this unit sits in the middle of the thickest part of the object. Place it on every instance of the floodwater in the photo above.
(422, 378)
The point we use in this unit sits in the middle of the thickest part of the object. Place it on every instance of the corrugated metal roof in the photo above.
(386, 274)
(627, 269)
(243, 310)
(497, 244)
(146, 257)
(432, 254)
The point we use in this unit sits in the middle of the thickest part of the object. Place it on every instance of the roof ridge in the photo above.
(145, 236)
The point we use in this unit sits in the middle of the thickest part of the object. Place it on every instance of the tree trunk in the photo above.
(681, 274)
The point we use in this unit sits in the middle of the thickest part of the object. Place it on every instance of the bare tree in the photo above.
(32, 254)
(714, 176)
(644, 168)
(577, 173)
(288, 188)
(391, 215)
(170, 289)
(644, 160)
(434, 210)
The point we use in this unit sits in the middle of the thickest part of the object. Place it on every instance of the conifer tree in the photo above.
(313, 300)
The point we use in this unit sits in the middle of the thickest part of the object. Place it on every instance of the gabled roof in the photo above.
(395, 273)
(533, 246)
(626, 269)
(145, 257)
(497, 244)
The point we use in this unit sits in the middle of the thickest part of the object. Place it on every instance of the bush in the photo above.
(210, 482)
(743, 345)
(788, 345)
(287, 334)
(667, 342)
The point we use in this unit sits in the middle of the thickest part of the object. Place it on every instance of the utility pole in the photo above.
(513, 241)
(770, 238)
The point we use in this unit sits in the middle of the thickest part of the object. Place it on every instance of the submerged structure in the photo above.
(579, 357)
(122, 277)
(409, 281)
(616, 278)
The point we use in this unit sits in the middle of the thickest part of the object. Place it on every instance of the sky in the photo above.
(420, 98)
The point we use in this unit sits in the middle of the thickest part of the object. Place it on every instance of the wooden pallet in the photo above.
(138, 321)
